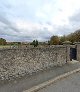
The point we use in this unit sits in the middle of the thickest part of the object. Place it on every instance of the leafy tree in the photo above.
(19, 43)
(74, 37)
(54, 40)
(48, 42)
(77, 36)
(62, 39)
(71, 37)
(2, 41)
(35, 43)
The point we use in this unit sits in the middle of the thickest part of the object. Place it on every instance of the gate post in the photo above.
(78, 50)
(67, 45)
(68, 52)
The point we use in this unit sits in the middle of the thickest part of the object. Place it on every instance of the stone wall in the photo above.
(19, 62)
(78, 51)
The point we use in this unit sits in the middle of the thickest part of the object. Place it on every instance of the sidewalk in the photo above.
(26, 83)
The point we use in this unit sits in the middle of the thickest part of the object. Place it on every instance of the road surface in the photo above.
(69, 84)
(28, 82)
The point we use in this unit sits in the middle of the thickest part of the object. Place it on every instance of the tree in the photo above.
(2, 41)
(77, 36)
(71, 37)
(62, 39)
(54, 40)
(48, 42)
(35, 43)
(19, 43)
(74, 37)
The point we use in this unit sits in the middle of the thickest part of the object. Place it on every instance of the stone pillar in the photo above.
(67, 45)
(68, 52)
(78, 50)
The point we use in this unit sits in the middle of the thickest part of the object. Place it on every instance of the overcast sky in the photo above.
(26, 20)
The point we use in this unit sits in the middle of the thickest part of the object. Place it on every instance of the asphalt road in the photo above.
(69, 84)
(28, 82)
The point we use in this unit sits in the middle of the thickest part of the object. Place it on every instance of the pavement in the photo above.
(28, 82)
(68, 84)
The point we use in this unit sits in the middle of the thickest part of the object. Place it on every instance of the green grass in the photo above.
(4, 46)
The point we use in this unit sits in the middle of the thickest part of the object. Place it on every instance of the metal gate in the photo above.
(73, 53)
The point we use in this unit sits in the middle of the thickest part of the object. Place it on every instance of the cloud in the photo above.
(34, 30)
(76, 17)
(23, 30)
(38, 19)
